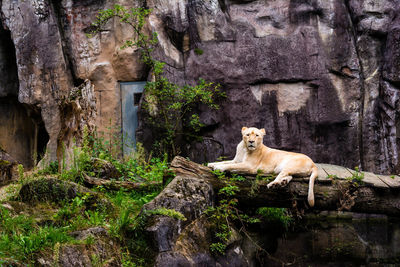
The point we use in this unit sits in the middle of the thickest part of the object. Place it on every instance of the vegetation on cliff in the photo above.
(171, 107)
(39, 213)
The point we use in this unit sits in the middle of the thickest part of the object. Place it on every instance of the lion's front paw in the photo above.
(273, 184)
(211, 165)
(284, 181)
(219, 168)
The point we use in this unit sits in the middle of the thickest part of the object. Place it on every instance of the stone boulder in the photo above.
(188, 195)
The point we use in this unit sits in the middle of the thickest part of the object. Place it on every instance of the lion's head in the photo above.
(253, 137)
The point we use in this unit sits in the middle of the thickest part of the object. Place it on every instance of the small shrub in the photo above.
(277, 216)
(357, 177)
(52, 168)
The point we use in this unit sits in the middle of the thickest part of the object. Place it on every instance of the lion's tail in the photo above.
(314, 175)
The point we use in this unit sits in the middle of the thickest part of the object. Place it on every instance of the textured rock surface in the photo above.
(340, 239)
(8, 168)
(187, 195)
(321, 76)
(186, 243)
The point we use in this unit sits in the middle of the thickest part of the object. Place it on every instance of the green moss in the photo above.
(198, 51)
(167, 212)
(4, 162)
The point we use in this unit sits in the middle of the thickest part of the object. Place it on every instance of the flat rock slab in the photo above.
(322, 174)
(334, 170)
(343, 173)
(372, 179)
(393, 181)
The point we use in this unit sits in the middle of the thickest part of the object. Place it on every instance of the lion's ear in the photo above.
(244, 129)
(263, 131)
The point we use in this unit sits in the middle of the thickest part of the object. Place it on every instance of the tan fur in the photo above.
(252, 155)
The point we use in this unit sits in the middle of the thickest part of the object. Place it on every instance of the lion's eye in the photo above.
(257, 135)
(248, 134)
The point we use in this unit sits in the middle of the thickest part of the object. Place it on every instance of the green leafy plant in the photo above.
(170, 106)
(21, 238)
(21, 171)
(332, 176)
(51, 168)
(224, 215)
(277, 216)
(357, 177)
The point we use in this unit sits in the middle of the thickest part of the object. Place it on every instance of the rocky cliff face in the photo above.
(321, 76)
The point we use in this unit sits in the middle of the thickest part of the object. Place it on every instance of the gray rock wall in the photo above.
(321, 76)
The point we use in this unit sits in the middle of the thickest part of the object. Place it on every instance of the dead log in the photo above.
(334, 194)
(117, 185)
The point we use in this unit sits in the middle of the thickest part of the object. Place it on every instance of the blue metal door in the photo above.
(131, 92)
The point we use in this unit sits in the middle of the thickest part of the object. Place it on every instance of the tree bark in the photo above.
(336, 194)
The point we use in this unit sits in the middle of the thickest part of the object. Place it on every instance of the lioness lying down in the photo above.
(252, 155)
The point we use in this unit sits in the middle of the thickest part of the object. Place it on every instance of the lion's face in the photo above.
(252, 137)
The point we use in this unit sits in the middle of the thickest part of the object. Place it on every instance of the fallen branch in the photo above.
(117, 185)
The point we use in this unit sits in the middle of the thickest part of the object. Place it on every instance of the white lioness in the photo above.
(252, 155)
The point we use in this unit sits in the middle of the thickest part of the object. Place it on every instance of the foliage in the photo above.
(277, 216)
(332, 176)
(357, 177)
(225, 216)
(51, 168)
(170, 106)
(21, 237)
(21, 171)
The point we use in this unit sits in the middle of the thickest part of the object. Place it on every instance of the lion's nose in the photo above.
(251, 141)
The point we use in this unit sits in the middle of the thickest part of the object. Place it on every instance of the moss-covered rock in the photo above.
(187, 195)
(57, 191)
(94, 248)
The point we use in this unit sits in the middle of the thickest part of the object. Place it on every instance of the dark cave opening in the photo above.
(42, 140)
(23, 134)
